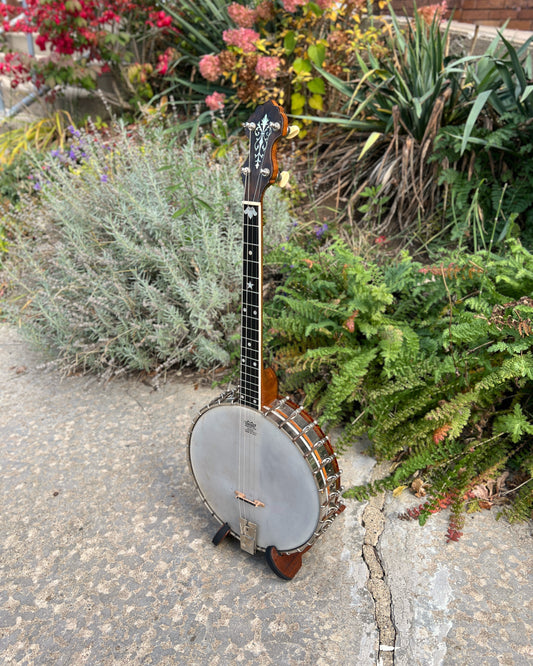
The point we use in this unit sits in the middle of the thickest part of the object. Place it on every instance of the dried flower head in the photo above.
(227, 60)
(265, 10)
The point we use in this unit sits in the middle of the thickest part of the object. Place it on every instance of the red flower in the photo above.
(41, 42)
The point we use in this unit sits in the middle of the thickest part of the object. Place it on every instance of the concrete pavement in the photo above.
(106, 554)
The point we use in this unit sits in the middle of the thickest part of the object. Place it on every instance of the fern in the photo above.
(435, 367)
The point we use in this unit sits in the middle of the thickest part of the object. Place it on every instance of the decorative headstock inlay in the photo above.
(264, 128)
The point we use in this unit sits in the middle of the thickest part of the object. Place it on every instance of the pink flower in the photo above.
(267, 67)
(210, 67)
(163, 20)
(215, 101)
(244, 17)
(292, 5)
(324, 4)
(242, 38)
(164, 61)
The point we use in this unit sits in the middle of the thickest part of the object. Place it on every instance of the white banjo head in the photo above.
(245, 466)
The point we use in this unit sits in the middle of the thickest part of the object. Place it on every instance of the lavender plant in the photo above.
(134, 258)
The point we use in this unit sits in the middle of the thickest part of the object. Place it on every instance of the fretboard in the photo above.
(251, 316)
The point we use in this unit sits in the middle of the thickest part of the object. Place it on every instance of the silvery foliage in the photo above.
(135, 259)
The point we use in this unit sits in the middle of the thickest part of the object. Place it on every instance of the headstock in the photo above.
(264, 128)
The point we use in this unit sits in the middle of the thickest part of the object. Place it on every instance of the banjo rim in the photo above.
(312, 443)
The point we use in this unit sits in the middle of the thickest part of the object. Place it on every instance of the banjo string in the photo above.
(248, 472)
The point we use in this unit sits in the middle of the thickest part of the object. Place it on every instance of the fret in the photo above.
(250, 387)
(249, 263)
(250, 325)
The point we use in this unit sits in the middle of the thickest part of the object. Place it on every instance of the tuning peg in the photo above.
(292, 131)
(283, 178)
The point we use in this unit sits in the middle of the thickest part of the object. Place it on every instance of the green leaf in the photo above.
(316, 102)
(297, 102)
(473, 116)
(527, 92)
(315, 8)
(301, 66)
(515, 424)
(374, 136)
(317, 85)
(289, 42)
(317, 53)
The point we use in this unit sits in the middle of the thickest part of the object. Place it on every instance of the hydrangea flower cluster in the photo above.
(292, 5)
(267, 67)
(244, 17)
(431, 13)
(242, 38)
(215, 101)
(209, 66)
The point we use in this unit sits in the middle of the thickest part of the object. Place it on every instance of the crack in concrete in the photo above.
(374, 523)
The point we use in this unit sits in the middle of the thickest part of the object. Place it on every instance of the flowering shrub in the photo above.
(79, 32)
(271, 51)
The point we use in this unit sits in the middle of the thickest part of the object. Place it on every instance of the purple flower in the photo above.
(103, 178)
(55, 153)
(320, 231)
(72, 154)
(37, 186)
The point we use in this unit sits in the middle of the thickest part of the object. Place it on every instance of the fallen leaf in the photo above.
(398, 491)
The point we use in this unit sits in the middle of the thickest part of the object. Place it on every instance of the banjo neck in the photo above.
(264, 128)
(252, 306)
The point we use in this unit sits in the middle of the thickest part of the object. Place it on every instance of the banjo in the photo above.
(262, 465)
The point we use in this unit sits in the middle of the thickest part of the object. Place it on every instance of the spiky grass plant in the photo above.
(38, 134)
(133, 262)
(395, 107)
(398, 107)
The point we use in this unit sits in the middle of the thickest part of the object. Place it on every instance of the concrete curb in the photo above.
(106, 553)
